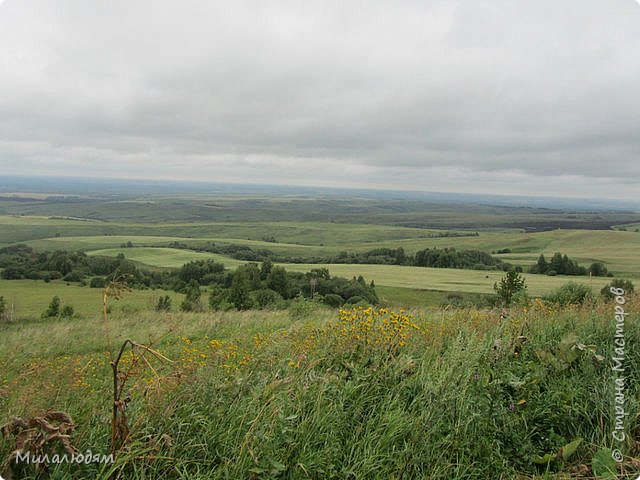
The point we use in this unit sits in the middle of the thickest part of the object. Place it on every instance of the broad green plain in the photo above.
(152, 224)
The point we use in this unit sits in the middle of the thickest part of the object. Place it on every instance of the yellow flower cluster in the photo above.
(375, 327)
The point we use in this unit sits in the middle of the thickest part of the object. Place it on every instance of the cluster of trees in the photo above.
(22, 262)
(439, 258)
(452, 258)
(251, 285)
(562, 265)
(266, 286)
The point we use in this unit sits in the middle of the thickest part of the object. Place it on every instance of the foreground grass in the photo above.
(360, 394)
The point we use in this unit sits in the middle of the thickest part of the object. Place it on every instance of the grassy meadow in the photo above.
(27, 299)
(415, 388)
(362, 393)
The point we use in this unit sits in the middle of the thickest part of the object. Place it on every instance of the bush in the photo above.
(266, 298)
(597, 269)
(66, 311)
(97, 282)
(219, 299)
(164, 304)
(72, 277)
(356, 299)
(191, 302)
(333, 300)
(625, 285)
(12, 273)
(301, 308)
(239, 295)
(53, 310)
(570, 294)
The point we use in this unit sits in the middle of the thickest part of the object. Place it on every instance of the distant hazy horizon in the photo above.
(100, 186)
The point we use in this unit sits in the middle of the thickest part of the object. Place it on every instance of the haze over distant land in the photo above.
(101, 187)
(496, 97)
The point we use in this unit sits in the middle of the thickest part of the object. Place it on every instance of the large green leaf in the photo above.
(603, 464)
(570, 448)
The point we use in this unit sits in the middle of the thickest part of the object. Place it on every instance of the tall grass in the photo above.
(459, 394)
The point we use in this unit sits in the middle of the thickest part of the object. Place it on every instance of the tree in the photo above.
(12, 273)
(265, 269)
(54, 308)
(509, 285)
(542, 264)
(598, 269)
(277, 280)
(239, 295)
(191, 300)
(266, 298)
(400, 257)
(218, 298)
(557, 263)
(3, 308)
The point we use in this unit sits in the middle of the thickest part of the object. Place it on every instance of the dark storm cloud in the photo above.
(485, 95)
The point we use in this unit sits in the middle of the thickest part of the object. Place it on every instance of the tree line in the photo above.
(430, 257)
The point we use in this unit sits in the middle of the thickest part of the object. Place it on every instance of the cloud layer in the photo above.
(497, 96)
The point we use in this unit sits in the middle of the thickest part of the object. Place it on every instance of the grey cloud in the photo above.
(490, 92)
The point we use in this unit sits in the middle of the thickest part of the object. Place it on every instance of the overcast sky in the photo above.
(494, 96)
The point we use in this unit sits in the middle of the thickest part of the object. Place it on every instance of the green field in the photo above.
(617, 249)
(29, 298)
(165, 257)
(442, 279)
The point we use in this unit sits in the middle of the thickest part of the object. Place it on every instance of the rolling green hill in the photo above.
(443, 279)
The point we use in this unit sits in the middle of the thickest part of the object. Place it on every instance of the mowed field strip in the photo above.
(444, 279)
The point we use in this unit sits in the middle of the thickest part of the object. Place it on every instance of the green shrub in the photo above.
(53, 310)
(301, 308)
(72, 276)
(625, 285)
(356, 300)
(333, 300)
(97, 282)
(164, 304)
(191, 302)
(67, 311)
(570, 294)
(219, 298)
(266, 298)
